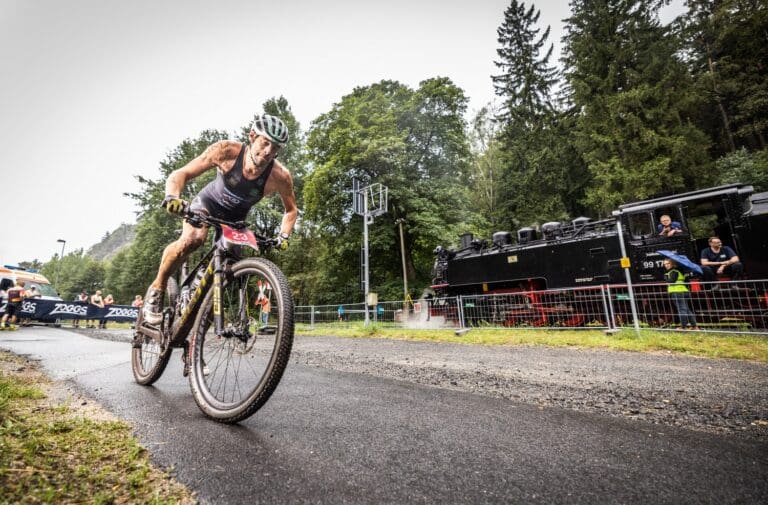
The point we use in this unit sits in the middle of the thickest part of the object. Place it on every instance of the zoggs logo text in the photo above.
(67, 308)
(122, 312)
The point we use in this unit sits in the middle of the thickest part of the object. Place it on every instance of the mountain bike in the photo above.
(233, 319)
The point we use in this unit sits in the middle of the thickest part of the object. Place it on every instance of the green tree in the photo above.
(634, 127)
(527, 76)
(76, 272)
(744, 167)
(725, 45)
(534, 147)
(486, 171)
(413, 142)
(35, 264)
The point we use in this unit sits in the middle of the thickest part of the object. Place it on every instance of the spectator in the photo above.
(138, 302)
(13, 307)
(667, 227)
(723, 258)
(679, 293)
(32, 292)
(82, 297)
(340, 310)
(98, 301)
(266, 307)
(109, 300)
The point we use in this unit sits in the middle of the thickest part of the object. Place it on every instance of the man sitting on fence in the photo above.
(719, 259)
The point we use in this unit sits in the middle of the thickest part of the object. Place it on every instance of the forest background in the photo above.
(635, 109)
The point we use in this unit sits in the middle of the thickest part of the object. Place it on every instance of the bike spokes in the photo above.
(236, 370)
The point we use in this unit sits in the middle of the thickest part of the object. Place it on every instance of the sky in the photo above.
(96, 92)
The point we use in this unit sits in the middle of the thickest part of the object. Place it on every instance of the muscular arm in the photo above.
(285, 190)
(210, 158)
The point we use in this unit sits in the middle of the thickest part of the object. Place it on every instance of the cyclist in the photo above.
(245, 174)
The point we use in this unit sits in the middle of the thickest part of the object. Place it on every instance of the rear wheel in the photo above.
(235, 373)
(150, 356)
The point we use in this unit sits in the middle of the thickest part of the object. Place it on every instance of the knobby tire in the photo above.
(231, 377)
(149, 361)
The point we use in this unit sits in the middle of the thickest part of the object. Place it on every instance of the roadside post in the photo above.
(369, 202)
(625, 264)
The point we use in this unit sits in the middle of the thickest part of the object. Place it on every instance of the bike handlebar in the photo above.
(200, 218)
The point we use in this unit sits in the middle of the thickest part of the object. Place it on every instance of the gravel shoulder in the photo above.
(712, 395)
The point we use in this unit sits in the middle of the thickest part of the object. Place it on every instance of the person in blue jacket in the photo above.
(667, 227)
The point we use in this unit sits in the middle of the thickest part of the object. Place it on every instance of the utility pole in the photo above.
(369, 202)
(61, 259)
(366, 277)
(400, 222)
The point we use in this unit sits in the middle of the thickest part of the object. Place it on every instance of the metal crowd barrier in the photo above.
(725, 307)
(729, 306)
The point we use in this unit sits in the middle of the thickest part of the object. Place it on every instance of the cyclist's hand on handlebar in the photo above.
(174, 205)
(281, 242)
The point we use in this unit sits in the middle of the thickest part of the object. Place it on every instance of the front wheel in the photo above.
(234, 373)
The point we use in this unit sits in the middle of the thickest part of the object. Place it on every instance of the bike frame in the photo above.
(215, 262)
(212, 275)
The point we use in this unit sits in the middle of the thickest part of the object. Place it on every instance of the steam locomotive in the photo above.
(585, 252)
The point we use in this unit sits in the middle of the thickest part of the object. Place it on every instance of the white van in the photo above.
(10, 274)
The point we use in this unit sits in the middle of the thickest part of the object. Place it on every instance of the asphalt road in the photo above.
(339, 437)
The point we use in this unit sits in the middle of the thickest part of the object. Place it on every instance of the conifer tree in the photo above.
(536, 180)
(633, 96)
(527, 77)
(725, 42)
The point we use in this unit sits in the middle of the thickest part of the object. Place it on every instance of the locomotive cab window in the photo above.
(707, 218)
(641, 225)
(675, 219)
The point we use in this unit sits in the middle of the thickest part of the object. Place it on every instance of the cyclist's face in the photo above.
(264, 150)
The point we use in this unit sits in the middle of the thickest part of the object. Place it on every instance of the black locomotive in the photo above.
(585, 252)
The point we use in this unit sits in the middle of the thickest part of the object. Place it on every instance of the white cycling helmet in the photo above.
(271, 127)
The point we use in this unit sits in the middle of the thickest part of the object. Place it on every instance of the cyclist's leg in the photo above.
(173, 256)
(177, 252)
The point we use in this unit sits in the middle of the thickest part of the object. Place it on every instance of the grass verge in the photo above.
(49, 453)
(709, 345)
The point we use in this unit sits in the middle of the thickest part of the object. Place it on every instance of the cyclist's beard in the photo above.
(259, 162)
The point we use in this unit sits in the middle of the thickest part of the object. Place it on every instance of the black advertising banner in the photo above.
(50, 310)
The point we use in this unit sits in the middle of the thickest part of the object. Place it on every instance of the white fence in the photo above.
(734, 307)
